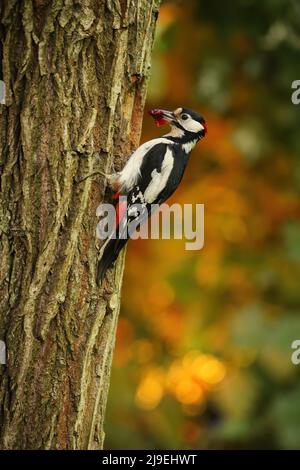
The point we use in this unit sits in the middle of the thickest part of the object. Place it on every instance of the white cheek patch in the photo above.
(193, 126)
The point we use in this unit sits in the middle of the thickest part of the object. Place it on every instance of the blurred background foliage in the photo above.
(203, 352)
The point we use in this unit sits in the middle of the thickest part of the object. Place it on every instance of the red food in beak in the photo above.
(158, 117)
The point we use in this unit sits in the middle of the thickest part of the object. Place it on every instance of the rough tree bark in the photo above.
(76, 76)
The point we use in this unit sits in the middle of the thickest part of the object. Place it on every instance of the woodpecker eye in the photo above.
(185, 116)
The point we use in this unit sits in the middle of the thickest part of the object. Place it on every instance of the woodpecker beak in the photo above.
(162, 116)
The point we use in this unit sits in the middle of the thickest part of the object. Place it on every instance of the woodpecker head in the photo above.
(185, 123)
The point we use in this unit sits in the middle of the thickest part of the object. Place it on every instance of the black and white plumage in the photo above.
(150, 176)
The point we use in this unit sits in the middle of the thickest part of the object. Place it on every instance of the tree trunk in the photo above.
(76, 76)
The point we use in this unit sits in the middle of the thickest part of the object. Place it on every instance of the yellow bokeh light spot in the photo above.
(175, 374)
(150, 391)
(212, 371)
(188, 392)
(199, 362)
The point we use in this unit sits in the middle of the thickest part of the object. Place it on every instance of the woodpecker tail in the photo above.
(109, 255)
(114, 244)
(112, 247)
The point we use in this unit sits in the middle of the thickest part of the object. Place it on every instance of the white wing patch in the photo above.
(131, 171)
(159, 180)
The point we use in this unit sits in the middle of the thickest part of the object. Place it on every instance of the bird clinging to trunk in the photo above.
(150, 176)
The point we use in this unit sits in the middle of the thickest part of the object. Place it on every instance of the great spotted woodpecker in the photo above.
(150, 176)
